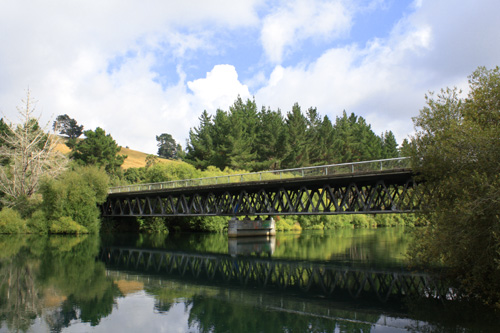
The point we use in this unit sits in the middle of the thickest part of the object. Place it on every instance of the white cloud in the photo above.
(95, 60)
(385, 80)
(219, 89)
(62, 51)
(299, 20)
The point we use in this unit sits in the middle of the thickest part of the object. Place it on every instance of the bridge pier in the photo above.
(248, 227)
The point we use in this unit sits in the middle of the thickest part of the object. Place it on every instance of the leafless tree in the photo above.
(28, 153)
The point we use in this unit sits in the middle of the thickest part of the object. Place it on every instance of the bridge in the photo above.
(379, 186)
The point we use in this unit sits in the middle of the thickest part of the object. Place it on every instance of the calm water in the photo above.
(341, 281)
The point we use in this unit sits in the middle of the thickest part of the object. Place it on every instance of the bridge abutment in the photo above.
(249, 227)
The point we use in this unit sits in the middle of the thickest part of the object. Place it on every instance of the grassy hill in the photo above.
(135, 159)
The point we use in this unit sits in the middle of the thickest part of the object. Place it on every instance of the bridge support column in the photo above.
(248, 227)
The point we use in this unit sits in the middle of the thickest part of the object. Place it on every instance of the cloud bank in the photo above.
(138, 70)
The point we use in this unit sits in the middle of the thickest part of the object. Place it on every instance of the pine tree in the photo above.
(271, 141)
(389, 146)
(200, 146)
(296, 125)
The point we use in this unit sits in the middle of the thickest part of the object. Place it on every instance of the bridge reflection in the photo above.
(326, 279)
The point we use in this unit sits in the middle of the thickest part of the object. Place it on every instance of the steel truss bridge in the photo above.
(285, 275)
(381, 186)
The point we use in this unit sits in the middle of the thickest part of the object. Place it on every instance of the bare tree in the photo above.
(30, 154)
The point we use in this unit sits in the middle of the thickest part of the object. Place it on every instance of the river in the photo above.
(346, 280)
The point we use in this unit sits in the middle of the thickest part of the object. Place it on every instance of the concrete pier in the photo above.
(248, 227)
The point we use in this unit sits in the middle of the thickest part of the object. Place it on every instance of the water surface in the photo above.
(340, 281)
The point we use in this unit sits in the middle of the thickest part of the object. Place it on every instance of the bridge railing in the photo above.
(323, 170)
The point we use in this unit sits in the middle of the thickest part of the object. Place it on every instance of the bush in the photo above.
(337, 221)
(152, 225)
(76, 195)
(38, 223)
(361, 221)
(65, 225)
(284, 224)
(207, 223)
(163, 172)
(11, 222)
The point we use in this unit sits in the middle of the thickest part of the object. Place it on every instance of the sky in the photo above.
(140, 68)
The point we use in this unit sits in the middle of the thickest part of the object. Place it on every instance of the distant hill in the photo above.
(135, 159)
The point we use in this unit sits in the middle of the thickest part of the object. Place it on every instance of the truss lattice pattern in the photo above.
(305, 276)
(384, 193)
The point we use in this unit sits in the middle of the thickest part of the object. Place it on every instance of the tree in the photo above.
(270, 142)
(296, 125)
(167, 147)
(200, 148)
(29, 154)
(456, 150)
(67, 126)
(389, 145)
(99, 148)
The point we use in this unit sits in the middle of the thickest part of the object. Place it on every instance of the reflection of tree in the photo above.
(76, 274)
(20, 301)
(360, 245)
(45, 267)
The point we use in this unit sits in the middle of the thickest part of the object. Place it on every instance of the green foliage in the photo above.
(65, 225)
(320, 222)
(456, 150)
(76, 195)
(167, 147)
(163, 172)
(38, 223)
(152, 225)
(361, 221)
(286, 224)
(208, 223)
(11, 222)
(245, 138)
(100, 150)
(67, 126)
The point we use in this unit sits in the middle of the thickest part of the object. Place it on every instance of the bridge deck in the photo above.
(396, 176)
(326, 191)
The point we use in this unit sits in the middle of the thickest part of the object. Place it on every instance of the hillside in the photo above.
(135, 159)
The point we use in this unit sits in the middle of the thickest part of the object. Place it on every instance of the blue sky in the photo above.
(142, 68)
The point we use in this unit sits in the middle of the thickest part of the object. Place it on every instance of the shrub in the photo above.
(360, 221)
(76, 195)
(284, 224)
(11, 222)
(152, 225)
(337, 221)
(65, 225)
(38, 223)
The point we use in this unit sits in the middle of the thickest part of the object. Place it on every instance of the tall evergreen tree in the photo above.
(200, 145)
(312, 136)
(296, 125)
(326, 136)
(243, 121)
(271, 140)
(389, 145)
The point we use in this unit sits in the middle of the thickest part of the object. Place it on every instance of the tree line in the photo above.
(246, 138)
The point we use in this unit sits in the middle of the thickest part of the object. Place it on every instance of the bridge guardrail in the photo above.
(323, 170)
